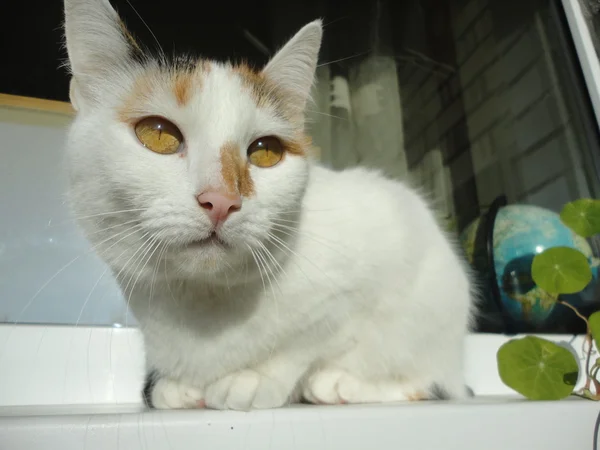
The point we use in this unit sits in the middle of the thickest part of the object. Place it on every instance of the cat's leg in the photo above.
(359, 377)
(165, 393)
(334, 386)
(268, 385)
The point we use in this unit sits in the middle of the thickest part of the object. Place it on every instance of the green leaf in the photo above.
(537, 368)
(561, 270)
(582, 216)
(594, 321)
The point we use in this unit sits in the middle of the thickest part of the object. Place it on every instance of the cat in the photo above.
(258, 277)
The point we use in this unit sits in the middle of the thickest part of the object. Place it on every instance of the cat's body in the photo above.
(295, 281)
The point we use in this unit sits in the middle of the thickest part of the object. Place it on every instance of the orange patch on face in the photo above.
(235, 171)
(299, 146)
(187, 78)
(182, 86)
(248, 74)
(255, 81)
(204, 66)
(182, 80)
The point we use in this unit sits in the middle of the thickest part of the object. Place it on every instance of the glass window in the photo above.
(479, 102)
(482, 103)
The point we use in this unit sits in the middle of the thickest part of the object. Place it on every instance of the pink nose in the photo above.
(219, 205)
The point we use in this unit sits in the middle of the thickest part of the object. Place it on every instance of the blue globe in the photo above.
(520, 232)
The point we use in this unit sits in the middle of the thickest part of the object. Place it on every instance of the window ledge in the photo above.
(483, 423)
(79, 387)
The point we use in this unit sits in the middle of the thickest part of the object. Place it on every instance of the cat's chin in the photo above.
(208, 256)
(212, 241)
(211, 251)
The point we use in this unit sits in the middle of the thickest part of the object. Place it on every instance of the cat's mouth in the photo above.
(212, 239)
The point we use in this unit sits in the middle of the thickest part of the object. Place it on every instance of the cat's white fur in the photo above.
(361, 296)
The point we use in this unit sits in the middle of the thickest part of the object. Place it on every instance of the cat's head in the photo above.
(200, 156)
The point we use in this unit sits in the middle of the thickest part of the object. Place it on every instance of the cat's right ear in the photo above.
(293, 67)
(97, 44)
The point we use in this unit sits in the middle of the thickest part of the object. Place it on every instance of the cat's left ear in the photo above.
(98, 44)
(293, 67)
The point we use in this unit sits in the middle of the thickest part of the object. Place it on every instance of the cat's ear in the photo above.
(293, 67)
(97, 44)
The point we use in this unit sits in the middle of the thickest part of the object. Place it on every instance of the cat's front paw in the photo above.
(334, 387)
(170, 394)
(246, 390)
(330, 387)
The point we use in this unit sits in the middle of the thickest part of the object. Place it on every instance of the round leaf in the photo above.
(561, 270)
(582, 216)
(594, 321)
(537, 368)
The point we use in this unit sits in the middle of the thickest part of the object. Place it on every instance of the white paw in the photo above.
(169, 394)
(334, 386)
(246, 390)
(331, 387)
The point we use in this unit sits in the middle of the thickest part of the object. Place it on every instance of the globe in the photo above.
(519, 233)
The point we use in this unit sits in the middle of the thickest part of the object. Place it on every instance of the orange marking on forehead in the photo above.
(248, 74)
(182, 86)
(205, 65)
(254, 81)
(181, 79)
(185, 79)
(235, 171)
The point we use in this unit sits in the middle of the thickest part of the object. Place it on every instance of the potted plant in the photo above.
(536, 367)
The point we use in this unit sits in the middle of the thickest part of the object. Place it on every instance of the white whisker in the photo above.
(167, 278)
(108, 213)
(152, 247)
(259, 267)
(112, 226)
(275, 277)
(146, 240)
(328, 115)
(162, 52)
(287, 230)
(268, 270)
(141, 265)
(272, 258)
(160, 255)
(343, 59)
(66, 266)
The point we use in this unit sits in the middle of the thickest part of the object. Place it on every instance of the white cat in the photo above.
(258, 278)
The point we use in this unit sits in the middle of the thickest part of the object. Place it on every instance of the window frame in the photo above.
(80, 365)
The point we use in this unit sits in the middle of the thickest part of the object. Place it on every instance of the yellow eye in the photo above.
(159, 135)
(265, 151)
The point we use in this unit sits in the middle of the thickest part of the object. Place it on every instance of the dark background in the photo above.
(31, 34)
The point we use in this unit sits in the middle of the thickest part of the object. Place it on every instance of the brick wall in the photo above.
(504, 88)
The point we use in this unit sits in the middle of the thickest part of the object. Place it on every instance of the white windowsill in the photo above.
(490, 424)
(79, 387)
(65, 365)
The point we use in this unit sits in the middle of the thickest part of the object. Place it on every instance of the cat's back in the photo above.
(362, 201)
(373, 235)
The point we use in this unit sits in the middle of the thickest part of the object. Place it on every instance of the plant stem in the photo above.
(576, 311)
(590, 346)
(587, 394)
